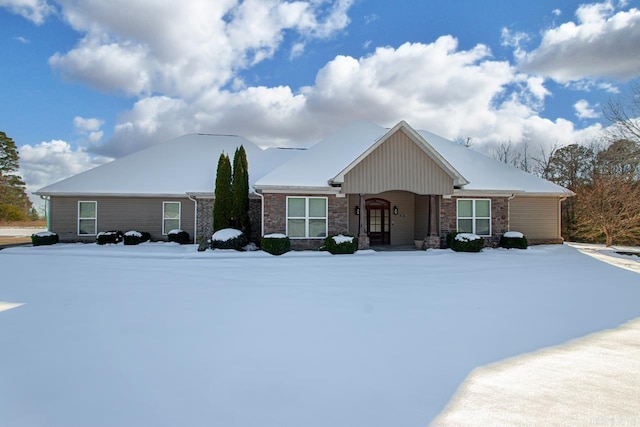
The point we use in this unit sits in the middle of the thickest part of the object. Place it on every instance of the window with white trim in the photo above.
(474, 216)
(87, 218)
(170, 217)
(306, 217)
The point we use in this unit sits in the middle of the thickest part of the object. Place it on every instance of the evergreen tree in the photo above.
(13, 195)
(240, 205)
(223, 194)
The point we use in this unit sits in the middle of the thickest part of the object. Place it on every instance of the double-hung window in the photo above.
(170, 216)
(474, 216)
(307, 217)
(87, 218)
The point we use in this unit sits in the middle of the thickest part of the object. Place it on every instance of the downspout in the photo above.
(47, 214)
(560, 200)
(261, 211)
(195, 218)
(509, 210)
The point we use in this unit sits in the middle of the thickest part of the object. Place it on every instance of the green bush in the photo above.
(136, 237)
(178, 236)
(340, 244)
(44, 238)
(513, 240)
(275, 244)
(113, 236)
(229, 238)
(464, 242)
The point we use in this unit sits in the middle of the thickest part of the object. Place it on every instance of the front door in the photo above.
(378, 221)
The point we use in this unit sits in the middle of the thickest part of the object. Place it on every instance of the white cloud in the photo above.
(435, 86)
(296, 50)
(556, 12)
(182, 50)
(48, 162)
(87, 124)
(35, 11)
(22, 40)
(585, 111)
(602, 44)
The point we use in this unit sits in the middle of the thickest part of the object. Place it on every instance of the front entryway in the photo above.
(378, 221)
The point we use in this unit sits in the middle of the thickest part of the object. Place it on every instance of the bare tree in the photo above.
(506, 153)
(542, 161)
(624, 114)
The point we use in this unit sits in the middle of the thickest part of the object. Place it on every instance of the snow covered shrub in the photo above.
(229, 238)
(178, 236)
(275, 244)
(44, 238)
(513, 239)
(136, 237)
(113, 236)
(464, 242)
(340, 244)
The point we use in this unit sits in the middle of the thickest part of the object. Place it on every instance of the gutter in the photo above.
(47, 214)
(255, 191)
(195, 218)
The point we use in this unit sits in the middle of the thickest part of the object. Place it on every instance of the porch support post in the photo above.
(363, 239)
(433, 239)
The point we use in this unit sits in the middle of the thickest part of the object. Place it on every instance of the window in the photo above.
(307, 217)
(87, 218)
(474, 216)
(170, 216)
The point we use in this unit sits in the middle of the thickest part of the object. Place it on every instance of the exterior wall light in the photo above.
(357, 210)
(395, 210)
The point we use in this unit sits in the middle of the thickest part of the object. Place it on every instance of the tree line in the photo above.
(604, 175)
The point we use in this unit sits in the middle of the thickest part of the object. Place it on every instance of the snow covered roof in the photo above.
(328, 160)
(186, 164)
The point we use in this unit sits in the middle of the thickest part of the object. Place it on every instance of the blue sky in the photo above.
(85, 82)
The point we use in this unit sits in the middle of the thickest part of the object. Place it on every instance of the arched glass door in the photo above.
(378, 221)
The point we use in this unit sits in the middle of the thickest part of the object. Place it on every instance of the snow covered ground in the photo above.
(159, 334)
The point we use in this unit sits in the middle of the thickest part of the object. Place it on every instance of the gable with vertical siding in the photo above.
(398, 164)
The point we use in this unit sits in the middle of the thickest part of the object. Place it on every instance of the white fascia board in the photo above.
(137, 195)
(265, 189)
(486, 193)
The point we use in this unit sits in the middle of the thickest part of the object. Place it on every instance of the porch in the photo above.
(394, 220)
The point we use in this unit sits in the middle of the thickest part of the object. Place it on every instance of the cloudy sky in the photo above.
(87, 81)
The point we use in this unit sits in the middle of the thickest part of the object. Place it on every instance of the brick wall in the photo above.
(499, 217)
(275, 221)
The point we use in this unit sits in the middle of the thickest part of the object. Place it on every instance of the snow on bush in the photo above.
(226, 234)
(513, 235)
(275, 244)
(467, 237)
(134, 237)
(111, 236)
(464, 242)
(274, 236)
(341, 238)
(229, 238)
(339, 244)
(513, 240)
(178, 236)
(44, 238)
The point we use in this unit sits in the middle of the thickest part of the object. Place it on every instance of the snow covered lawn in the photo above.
(162, 335)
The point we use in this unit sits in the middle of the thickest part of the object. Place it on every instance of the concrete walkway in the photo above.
(591, 381)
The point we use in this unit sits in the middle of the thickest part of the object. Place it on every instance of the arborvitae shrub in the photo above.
(44, 238)
(340, 244)
(112, 236)
(516, 242)
(464, 242)
(136, 237)
(178, 236)
(275, 244)
(220, 241)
